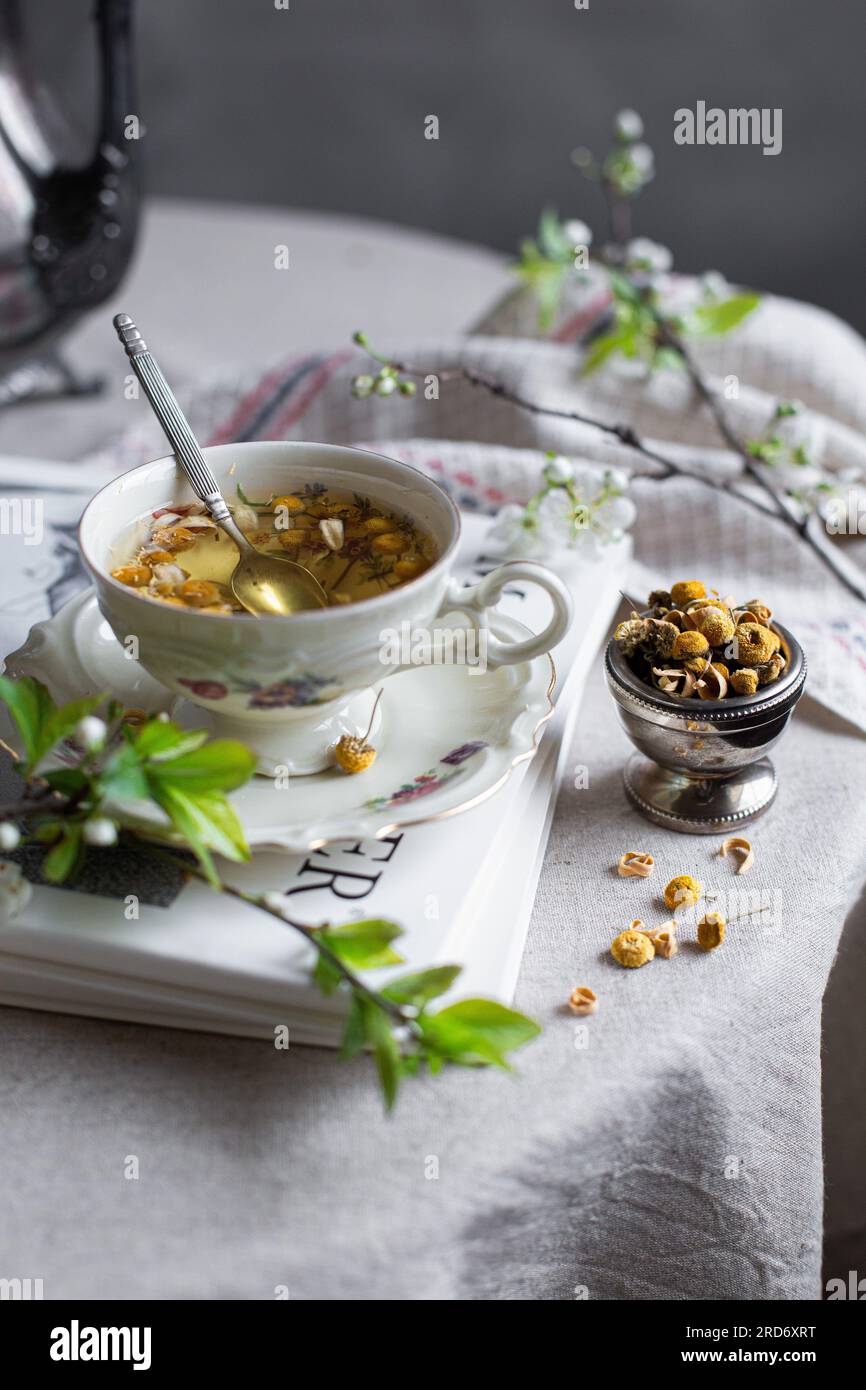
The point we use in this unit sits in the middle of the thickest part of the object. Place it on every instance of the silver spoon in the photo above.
(262, 584)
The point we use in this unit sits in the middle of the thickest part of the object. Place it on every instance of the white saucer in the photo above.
(449, 738)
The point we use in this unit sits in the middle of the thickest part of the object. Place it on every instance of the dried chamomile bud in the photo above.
(742, 849)
(583, 1000)
(690, 644)
(133, 575)
(744, 681)
(715, 623)
(755, 643)
(354, 754)
(771, 670)
(632, 949)
(660, 598)
(631, 634)
(711, 930)
(685, 590)
(661, 638)
(763, 614)
(198, 593)
(635, 864)
(682, 891)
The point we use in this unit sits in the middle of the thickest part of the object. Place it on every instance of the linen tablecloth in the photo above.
(667, 1148)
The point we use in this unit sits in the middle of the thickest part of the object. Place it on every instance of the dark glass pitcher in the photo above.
(66, 228)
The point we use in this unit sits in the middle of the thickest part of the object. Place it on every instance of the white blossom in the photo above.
(714, 285)
(627, 124)
(99, 831)
(648, 255)
(10, 835)
(15, 891)
(362, 386)
(577, 233)
(90, 733)
(558, 469)
(644, 162)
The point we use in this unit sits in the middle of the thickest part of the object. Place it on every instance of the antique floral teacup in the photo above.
(289, 687)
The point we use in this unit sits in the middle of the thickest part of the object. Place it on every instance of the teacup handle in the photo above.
(475, 600)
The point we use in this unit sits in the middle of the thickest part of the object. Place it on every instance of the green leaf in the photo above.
(47, 831)
(364, 945)
(63, 859)
(709, 319)
(355, 1033)
(123, 778)
(602, 348)
(30, 706)
(160, 737)
(670, 358)
(61, 722)
(623, 290)
(66, 780)
(475, 1031)
(422, 985)
(218, 766)
(552, 241)
(206, 821)
(385, 1050)
(326, 976)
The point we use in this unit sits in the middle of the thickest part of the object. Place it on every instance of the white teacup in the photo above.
(289, 687)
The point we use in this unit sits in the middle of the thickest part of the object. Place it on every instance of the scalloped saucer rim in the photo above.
(453, 738)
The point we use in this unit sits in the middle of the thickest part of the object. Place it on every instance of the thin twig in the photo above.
(779, 510)
(311, 934)
(783, 509)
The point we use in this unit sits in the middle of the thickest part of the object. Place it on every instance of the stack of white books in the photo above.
(462, 888)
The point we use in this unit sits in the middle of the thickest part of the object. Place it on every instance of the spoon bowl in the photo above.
(274, 584)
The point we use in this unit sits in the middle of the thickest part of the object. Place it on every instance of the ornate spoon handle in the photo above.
(176, 427)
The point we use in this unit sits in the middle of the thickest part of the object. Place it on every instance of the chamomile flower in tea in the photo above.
(355, 547)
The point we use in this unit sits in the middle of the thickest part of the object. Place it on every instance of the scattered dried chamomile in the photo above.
(711, 930)
(682, 891)
(663, 938)
(635, 864)
(632, 949)
(583, 1000)
(742, 851)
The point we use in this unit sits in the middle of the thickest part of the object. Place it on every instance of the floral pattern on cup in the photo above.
(426, 782)
(292, 692)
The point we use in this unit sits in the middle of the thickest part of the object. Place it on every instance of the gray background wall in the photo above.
(322, 106)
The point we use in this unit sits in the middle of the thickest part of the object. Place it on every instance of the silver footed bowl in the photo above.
(701, 766)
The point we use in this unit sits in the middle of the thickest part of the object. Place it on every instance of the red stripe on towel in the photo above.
(253, 400)
(577, 325)
(296, 409)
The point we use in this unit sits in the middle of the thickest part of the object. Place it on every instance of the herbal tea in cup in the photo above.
(380, 536)
(355, 547)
